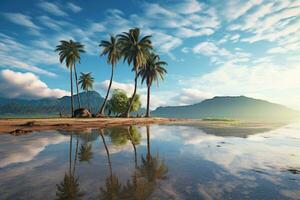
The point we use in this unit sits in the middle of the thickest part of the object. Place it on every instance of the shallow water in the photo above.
(170, 162)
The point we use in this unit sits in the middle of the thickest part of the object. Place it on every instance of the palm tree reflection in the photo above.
(85, 153)
(113, 188)
(69, 188)
(145, 177)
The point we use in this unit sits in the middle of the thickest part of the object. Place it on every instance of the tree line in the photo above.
(136, 50)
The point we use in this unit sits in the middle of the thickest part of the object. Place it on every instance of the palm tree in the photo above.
(86, 81)
(152, 72)
(112, 50)
(69, 52)
(135, 50)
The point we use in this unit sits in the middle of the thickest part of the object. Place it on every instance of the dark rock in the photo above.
(18, 132)
(82, 113)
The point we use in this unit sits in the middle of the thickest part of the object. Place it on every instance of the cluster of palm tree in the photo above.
(133, 48)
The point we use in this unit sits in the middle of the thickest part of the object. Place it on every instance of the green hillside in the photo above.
(239, 107)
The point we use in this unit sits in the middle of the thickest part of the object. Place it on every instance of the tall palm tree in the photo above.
(86, 81)
(135, 50)
(153, 71)
(112, 50)
(69, 52)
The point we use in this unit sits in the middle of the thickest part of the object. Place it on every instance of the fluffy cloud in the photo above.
(189, 96)
(25, 85)
(103, 86)
(26, 149)
(237, 8)
(74, 7)
(52, 8)
(210, 49)
(263, 80)
(26, 57)
(21, 19)
(271, 21)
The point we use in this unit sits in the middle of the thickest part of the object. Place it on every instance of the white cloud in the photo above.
(264, 80)
(210, 49)
(188, 33)
(187, 7)
(188, 96)
(22, 20)
(26, 57)
(74, 7)
(27, 148)
(25, 85)
(237, 8)
(103, 86)
(52, 8)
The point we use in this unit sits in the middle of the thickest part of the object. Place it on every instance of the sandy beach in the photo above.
(22, 126)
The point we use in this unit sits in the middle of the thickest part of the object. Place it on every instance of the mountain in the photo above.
(47, 106)
(238, 107)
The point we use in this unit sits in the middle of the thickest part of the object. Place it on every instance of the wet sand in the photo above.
(23, 126)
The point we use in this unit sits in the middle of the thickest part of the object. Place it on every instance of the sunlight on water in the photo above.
(156, 162)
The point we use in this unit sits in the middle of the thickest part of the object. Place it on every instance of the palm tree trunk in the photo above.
(101, 112)
(78, 96)
(72, 101)
(76, 153)
(148, 142)
(107, 152)
(126, 114)
(70, 154)
(148, 101)
(88, 99)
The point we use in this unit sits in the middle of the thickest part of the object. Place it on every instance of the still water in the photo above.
(152, 162)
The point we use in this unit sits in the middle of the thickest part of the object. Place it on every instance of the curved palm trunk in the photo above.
(148, 101)
(148, 142)
(101, 112)
(107, 153)
(72, 101)
(126, 114)
(78, 96)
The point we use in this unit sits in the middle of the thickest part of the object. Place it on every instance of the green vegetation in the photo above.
(119, 102)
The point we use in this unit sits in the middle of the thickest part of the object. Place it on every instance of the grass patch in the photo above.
(219, 120)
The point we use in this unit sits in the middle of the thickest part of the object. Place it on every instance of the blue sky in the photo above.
(213, 48)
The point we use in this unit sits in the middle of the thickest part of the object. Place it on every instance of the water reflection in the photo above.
(144, 177)
(69, 187)
(151, 162)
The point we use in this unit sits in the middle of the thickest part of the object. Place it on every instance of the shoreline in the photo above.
(20, 126)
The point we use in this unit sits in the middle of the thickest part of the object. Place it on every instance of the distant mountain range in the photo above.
(218, 107)
(240, 107)
(47, 106)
